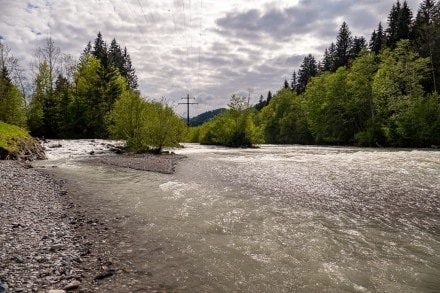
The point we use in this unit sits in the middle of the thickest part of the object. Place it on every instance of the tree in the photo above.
(13, 69)
(100, 50)
(344, 43)
(399, 24)
(164, 128)
(329, 60)
(360, 106)
(397, 85)
(11, 103)
(377, 40)
(146, 126)
(307, 70)
(359, 43)
(269, 97)
(284, 120)
(427, 38)
(294, 83)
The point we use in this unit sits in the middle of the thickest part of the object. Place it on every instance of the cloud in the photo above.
(209, 49)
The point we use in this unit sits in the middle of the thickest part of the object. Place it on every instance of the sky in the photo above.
(209, 49)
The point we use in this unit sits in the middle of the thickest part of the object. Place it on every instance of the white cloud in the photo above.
(209, 48)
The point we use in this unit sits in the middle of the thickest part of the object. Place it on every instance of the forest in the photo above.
(381, 92)
(378, 93)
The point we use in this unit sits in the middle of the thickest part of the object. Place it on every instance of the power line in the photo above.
(200, 47)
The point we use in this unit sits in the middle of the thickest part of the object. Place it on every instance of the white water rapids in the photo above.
(279, 218)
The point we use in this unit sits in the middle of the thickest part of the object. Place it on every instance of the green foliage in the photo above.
(236, 127)
(11, 102)
(146, 126)
(284, 119)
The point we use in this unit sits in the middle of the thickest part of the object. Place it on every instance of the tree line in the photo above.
(378, 93)
(83, 98)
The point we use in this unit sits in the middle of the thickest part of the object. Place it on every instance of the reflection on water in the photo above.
(284, 219)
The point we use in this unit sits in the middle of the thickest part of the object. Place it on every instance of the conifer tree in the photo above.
(377, 39)
(307, 70)
(399, 24)
(427, 38)
(100, 50)
(344, 43)
(328, 62)
(294, 82)
(269, 97)
(359, 43)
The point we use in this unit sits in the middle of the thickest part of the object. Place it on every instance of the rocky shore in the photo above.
(52, 241)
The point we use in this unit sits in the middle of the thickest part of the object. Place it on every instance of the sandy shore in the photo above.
(51, 238)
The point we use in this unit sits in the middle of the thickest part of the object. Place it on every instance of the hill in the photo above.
(202, 118)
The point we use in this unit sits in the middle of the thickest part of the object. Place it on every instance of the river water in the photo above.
(281, 218)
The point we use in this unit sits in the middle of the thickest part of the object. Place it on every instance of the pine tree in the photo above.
(294, 82)
(11, 103)
(307, 70)
(100, 50)
(128, 71)
(115, 56)
(286, 84)
(344, 43)
(359, 43)
(269, 97)
(377, 40)
(328, 62)
(399, 24)
(427, 38)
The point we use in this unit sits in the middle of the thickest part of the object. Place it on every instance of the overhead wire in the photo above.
(200, 47)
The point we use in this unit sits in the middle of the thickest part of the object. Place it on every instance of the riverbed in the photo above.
(275, 218)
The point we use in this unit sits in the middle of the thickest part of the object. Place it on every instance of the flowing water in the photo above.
(281, 218)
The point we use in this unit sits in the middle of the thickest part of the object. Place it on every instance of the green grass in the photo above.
(11, 135)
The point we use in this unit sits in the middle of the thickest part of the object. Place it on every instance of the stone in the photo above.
(72, 285)
(56, 291)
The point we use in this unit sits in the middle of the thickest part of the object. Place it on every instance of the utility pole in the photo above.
(187, 103)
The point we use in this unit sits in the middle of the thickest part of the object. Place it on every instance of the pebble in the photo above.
(72, 285)
(37, 251)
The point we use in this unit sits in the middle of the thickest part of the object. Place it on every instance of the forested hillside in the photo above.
(378, 93)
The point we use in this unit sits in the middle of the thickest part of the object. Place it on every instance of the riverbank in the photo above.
(53, 237)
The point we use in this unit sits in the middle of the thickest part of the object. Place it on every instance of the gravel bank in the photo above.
(52, 238)
(39, 249)
(164, 163)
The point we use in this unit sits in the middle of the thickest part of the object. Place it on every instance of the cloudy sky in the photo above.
(209, 49)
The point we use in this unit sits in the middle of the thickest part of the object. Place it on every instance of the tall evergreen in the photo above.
(294, 82)
(328, 62)
(359, 43)
(427, 38)
(100, 50)
(377, 41)
(344, 43)
(269, 97)
(128, 71)
(399, 24)
(307, 70)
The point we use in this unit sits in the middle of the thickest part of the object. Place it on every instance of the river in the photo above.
(281, 218)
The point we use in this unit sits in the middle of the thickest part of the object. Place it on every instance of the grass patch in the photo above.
(11, 136)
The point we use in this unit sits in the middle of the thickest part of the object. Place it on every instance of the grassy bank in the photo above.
(16, 143)
(10, 136)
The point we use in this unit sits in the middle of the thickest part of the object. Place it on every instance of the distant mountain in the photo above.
(202, 118)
